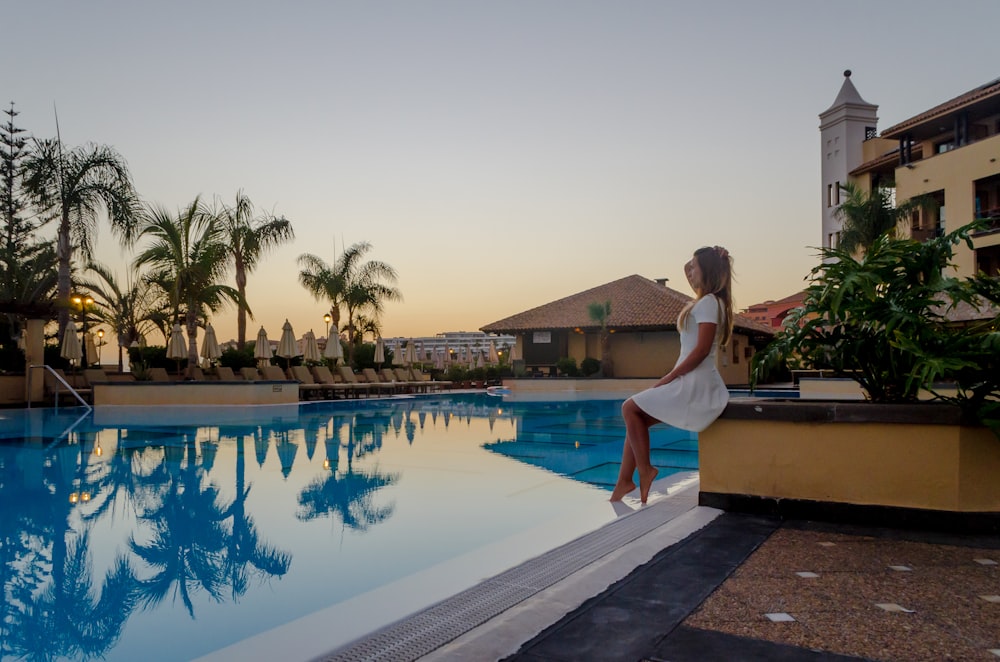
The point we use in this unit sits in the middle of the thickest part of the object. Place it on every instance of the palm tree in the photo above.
(188, 257)
(349, 282)
(867, 216)
(248, 239)
(130, 310)
(600, 313)
(77, 184)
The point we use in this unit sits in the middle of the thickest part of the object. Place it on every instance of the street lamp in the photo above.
(327, 318)
(100, 343)
(83, 303)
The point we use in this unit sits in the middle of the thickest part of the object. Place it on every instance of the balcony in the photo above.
(994, 216)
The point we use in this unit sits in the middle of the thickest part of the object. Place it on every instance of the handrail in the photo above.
(61, 381)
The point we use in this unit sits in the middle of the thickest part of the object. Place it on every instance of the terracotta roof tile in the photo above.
(636, 303)
(984, 91)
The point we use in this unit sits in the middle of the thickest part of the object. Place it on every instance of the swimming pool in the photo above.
(170, 534)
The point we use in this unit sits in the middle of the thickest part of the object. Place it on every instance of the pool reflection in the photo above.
(123, 516)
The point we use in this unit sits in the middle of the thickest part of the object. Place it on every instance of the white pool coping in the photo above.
(494, 618)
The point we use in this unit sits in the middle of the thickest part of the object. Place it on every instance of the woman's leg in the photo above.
(637, 424)
(625, 484)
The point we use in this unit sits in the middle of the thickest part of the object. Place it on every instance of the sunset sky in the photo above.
(499, 155)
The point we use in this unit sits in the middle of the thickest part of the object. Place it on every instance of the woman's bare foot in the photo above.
(646, 478)
(621, 489)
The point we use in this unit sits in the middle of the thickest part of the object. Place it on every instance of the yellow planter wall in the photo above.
(919, 465)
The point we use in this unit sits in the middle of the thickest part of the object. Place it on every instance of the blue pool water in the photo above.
(171, 534)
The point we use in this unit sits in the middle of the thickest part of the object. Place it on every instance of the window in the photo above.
(870, 132)
(829, 195)
(836, 193)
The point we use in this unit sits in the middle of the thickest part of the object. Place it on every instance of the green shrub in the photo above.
(567, 366)
(590, 366)
(456, 373)
(238, 358)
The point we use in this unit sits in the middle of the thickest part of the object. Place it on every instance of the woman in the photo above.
(692, 395)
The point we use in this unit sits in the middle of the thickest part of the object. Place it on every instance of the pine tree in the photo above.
(27, 262)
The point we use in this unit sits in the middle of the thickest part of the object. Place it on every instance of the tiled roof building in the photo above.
(643, 320)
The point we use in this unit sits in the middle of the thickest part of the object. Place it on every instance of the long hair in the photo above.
(716, 278)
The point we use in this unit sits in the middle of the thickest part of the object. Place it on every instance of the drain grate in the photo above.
(428, 630)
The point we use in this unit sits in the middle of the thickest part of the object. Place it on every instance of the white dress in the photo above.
(692, 401)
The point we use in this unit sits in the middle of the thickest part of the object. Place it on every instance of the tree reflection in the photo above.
(246, 554)
(348, 496)
(187, 545)
(51, 610)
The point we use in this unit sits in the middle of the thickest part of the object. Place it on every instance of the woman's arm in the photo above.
(706, 336)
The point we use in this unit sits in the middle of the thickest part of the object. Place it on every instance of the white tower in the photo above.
(843, 127)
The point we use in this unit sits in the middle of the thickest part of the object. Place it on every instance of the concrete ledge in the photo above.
(195, 393)
(813, 411)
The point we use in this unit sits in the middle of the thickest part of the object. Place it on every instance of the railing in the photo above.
(992, 215)
(61, 380)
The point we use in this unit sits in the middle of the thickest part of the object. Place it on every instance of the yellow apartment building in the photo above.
(949, 153)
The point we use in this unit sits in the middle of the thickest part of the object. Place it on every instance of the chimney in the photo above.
(661, 281)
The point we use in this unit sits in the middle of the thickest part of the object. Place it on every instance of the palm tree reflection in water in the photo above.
(188, 538)
(349, 495)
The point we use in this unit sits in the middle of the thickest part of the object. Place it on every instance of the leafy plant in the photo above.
(456, 373)
(567, 366)
(881, 319)
(590, 366)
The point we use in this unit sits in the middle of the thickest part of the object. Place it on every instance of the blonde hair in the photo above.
(716, 278)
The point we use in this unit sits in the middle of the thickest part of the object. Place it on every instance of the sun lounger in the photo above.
(308, 388)
(196, 374)
(225, 374)
(56, 388)
(273, 373)
(350, 378)
(370, 376)
(159, 375)
(336, 383)
(433, 384)
(397, 376)
(250, 374)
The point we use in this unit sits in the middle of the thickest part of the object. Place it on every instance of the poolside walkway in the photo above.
(754, 588)
(681, 583)
(725, 586)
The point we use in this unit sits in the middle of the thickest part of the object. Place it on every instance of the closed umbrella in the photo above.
(439, 360)
(176, 347)
(333, 350)
(262, 348)
(480, 363)
(493, 356)
(411, 353)
(71, 346)
(88, 342)
(310, 348)
(379, 352)
(287, 348)
(210, 350)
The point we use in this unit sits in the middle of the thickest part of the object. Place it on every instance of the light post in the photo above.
(327, 318)
(83, 302)
(100, 343)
